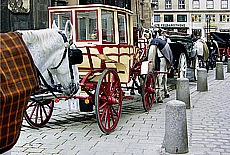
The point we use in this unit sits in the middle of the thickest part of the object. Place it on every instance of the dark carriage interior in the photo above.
(177, 48)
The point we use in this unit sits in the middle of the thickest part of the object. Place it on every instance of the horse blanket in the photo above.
(18, 79)
(164, 48)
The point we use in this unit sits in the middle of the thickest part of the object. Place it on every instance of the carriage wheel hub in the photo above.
(150, 90)
(112, 100)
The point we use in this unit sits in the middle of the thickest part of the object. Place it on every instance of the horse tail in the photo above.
(152, 57)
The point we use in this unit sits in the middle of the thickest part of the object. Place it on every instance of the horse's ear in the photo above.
(54, 25)
(69, 29)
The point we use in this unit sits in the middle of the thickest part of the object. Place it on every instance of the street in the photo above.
(138, 132)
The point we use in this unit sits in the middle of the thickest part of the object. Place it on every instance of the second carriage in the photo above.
(111, 61)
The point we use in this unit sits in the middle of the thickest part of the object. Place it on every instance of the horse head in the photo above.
(71, 69)
(49, 49)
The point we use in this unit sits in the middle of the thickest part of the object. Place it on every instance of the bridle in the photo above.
(72, 86)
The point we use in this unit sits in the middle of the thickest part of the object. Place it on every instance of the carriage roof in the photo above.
(221, 37)
(178, 38)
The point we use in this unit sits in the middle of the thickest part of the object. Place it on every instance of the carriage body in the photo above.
(186, 55)
(103, 33)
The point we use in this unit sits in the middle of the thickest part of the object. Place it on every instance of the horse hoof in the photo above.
(167, 95)
(159, 101)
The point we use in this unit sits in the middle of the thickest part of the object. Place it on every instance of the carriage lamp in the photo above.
(86, 101)
(56, 100)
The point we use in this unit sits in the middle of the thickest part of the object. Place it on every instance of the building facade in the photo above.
(197, 17)
(23, 14)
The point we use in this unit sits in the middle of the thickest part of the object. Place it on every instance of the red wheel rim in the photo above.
(148, 92)
(38, 113)
(108, 101)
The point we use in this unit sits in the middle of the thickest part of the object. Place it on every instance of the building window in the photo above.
(224, 4)
(210, 4)
(196, 32)
(122, 27)
(168, 4)
(224, 18)
(155, 4)
(181, 4)
(156, 18)
(196, 18)
(212, 18)
(181, 18)
(168, 18)
(196, 4)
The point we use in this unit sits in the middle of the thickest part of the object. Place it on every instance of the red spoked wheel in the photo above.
(108, 100)
(38, 112)
(148, 91)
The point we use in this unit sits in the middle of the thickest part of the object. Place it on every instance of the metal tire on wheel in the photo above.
(38, 112)
(108, 100)
(182, 66)
(148, 91)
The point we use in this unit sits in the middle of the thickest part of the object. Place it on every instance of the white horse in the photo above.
(162, 69)
(48, 49)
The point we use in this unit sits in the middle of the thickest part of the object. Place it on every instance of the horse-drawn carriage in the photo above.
(222, 40)
(188, 53)
(110, 60)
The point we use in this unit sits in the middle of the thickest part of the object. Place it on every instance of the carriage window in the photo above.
(59, 19)
(87, 25)
(122, 27)
(107, 26)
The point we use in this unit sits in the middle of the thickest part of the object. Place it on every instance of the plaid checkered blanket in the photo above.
(18, 79)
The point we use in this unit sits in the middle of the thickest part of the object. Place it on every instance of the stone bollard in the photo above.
(202, 82)
(176, 136)
(228, 68)
(182, 91)
(219, 71)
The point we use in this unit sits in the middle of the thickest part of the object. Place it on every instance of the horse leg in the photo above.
(159, 83)
(132, 88)
(165, 86)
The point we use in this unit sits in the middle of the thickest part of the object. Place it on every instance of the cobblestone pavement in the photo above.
(138, 132)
